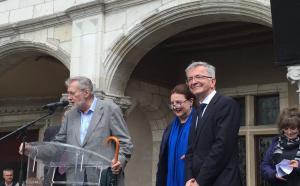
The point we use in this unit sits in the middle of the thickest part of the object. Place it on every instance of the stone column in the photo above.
(293, 75)
(87, 49)
(87, 41)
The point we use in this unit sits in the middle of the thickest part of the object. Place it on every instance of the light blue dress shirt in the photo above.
(86, 119)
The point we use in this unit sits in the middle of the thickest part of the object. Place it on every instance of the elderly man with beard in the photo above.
(90, 121)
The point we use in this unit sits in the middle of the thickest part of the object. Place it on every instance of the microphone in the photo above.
(56, 104)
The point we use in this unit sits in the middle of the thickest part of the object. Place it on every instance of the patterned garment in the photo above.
(285, 144)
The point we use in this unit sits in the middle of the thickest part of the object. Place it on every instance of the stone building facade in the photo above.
(135, 51)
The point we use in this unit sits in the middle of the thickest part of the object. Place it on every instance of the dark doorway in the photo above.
(10, 157)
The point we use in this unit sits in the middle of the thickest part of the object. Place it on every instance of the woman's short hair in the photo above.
(184, 90)
(289, 118)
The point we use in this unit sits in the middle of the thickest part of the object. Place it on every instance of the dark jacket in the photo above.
(50, 132)
(3, 184)
(162, 165)
(212, 157)
(268, 169)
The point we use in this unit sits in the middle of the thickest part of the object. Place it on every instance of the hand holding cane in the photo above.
(116, 165)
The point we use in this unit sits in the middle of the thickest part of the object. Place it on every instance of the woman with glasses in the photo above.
(174, 143)
(286, 146)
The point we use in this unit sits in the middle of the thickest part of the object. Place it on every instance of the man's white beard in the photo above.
(78, 105)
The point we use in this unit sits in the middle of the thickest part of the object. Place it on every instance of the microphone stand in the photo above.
(22, 134)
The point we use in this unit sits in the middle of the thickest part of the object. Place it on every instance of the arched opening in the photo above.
(127, 52)
(233, 47)
(236, 39)
(29, 78)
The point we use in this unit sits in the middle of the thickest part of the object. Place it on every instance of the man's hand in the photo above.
(192, 182)
(280, 178)
(294, 163)
(28, 148)
(116, 166)
(21, 147)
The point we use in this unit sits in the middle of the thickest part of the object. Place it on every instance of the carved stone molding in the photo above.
(16, 106)
(34, 24)
(114, 5)
(85, 10)
(79, 11)
(11, 110)
(293, 75)
(124, 102)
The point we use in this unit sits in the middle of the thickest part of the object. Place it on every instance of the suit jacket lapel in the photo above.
(77, 124)
(207, 112)
(97, 115)
(193, 126)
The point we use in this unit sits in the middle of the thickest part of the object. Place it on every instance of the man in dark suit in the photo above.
(212, 156)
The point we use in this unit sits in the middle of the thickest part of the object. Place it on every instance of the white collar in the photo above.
(208, 98)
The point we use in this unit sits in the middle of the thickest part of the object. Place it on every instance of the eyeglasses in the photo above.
(176, 104)
(198, 78)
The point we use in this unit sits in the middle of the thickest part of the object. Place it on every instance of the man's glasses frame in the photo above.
(198, 78)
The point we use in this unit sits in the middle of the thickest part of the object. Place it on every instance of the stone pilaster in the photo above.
(293, 75)
(87, 39)
(124, 102)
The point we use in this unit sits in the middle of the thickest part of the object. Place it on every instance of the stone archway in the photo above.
(127, 52)
(130, 48)
(11, 47)
(19, 100)
(47, 63)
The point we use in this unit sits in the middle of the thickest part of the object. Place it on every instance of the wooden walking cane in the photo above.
(117, 142)
(114, 177)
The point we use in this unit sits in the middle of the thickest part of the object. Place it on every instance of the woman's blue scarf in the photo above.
(178, 144)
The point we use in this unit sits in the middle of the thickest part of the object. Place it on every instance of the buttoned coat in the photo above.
(212, 157)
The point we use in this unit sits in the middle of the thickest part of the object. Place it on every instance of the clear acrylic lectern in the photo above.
(82, 167)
